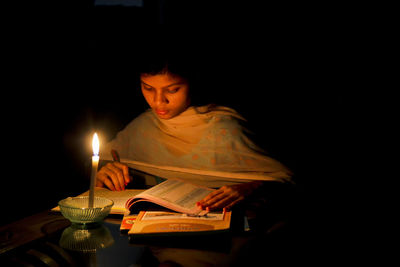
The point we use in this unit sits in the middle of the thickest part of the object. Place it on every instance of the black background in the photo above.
(285, 68)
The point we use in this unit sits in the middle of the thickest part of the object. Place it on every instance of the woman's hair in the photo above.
(168, 60)
(165, 51)
(180, 60)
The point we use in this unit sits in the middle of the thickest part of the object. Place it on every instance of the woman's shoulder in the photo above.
(224, 116)
(222, 112)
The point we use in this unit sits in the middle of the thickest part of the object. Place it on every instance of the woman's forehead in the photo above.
(163, 79)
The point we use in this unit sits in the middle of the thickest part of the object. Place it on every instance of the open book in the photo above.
(175, 195)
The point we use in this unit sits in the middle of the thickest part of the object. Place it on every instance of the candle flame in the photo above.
(95, 145)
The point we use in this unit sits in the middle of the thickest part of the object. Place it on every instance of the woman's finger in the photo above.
(103, 180)
(229, 206)
(224, 202)
(125, 172)
(109, 184)
(215, 199)
(119, 175)
(113, 177)
(209, 196)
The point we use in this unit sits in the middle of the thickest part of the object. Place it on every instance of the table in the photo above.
(48, 239)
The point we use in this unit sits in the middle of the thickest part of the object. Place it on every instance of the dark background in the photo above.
(67, 75)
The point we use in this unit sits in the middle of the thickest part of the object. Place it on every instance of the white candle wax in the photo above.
(95, 164)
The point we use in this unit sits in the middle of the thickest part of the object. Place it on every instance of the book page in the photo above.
(183, 194)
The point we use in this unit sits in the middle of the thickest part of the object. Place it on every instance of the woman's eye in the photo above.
(174, 90)
(147, 88)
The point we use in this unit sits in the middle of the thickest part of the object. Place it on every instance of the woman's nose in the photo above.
(159, 98)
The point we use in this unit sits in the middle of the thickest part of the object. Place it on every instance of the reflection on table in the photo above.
(48, 239)
(86, 238)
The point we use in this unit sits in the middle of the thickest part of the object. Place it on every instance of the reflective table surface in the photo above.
(48, 239)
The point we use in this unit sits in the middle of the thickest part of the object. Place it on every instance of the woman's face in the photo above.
(166, 94)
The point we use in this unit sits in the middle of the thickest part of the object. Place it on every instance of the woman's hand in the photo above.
(227, 196)
(114, 175)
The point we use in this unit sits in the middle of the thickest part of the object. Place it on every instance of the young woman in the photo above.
(177, 132)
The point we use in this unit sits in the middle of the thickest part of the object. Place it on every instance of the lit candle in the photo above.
(95, 164)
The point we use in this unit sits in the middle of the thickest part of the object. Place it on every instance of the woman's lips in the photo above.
(161, 112)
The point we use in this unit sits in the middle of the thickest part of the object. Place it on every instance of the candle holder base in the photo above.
(86, 237)
(77, 210)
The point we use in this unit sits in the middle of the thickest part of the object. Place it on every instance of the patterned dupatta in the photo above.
(207, 145)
